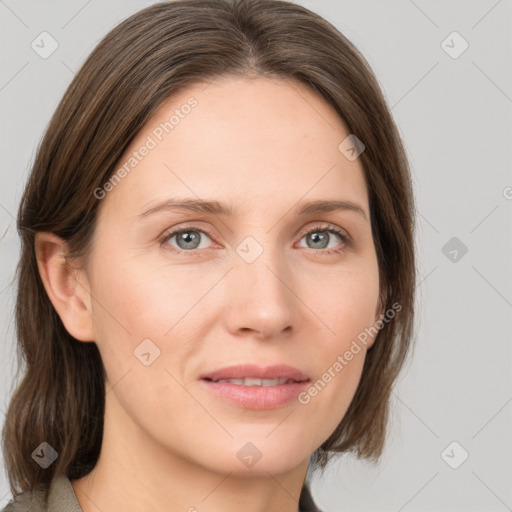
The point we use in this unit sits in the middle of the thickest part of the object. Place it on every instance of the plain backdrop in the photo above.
(449, 445)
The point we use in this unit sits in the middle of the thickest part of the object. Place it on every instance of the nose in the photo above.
(260, 301)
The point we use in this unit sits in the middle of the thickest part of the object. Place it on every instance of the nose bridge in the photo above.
(260, 298)
(261, 263)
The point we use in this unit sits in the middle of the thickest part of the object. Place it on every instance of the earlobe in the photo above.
(67, 287)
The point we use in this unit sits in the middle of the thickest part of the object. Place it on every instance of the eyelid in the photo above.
(327, 226)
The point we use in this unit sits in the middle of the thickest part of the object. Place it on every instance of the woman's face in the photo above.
(243, 286)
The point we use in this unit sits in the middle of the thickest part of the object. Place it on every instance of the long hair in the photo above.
(135, 68)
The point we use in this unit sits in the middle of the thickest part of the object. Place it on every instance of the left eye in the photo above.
(187, 239)
(322, 237)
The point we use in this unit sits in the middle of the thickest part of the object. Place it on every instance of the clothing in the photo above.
(61, 498)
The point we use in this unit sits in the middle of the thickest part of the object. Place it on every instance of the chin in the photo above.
(259, 453)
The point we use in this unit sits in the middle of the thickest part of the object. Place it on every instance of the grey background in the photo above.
(454, 116)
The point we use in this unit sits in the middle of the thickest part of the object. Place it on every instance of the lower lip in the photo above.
(257, 397)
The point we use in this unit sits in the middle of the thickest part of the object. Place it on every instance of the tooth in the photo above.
(252, 382)
(249, 381)
(233, 381)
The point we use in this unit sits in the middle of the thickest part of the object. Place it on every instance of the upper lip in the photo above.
(241, 371)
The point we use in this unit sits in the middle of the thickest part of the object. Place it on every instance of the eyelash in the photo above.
(329, 228)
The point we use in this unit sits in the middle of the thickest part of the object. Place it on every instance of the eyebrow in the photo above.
(217, 208)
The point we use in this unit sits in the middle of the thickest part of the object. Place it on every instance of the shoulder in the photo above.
(28, 501)
(59, 497)
(61, 494)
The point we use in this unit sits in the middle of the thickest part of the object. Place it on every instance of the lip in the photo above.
(256, 397)
(241, 371)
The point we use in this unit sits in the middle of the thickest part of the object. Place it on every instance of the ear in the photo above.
(67, 287)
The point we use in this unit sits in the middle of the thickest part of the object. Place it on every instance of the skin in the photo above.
(260, 146)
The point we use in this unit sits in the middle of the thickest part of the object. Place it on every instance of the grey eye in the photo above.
(188, 239)
(321, 238)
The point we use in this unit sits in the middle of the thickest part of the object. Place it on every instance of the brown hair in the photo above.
(133, 70)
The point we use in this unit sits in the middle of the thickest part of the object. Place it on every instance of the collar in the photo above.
(61, 496)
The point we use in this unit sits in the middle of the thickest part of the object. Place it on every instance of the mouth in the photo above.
(253, 374)
(251, 381)
(257, 388)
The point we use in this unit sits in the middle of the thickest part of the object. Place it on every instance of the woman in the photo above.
(216, 283)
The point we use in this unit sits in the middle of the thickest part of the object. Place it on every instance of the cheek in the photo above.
(145, 300)
(137, 326)
(338, 369)
(147, 309)
(347, 308)
(344, 302)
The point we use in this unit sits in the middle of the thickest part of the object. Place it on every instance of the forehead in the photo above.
(255, 141)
